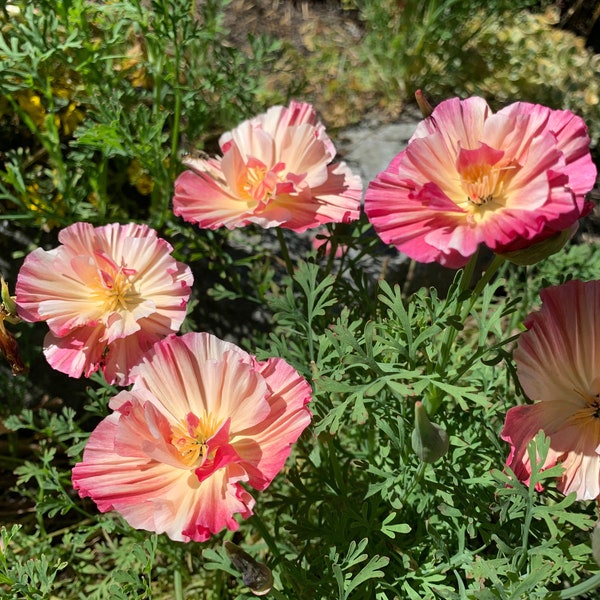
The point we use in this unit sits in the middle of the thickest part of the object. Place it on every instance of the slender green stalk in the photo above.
(496, 263)
(451, 332)
(285, 252)
(264, 532)
(417, 477)
(177, 107)
(577, 591)
(465, 308)
(333, 246)
(525, 534)
(177, 585)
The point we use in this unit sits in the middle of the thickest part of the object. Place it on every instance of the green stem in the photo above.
(417, 477)
(285, 253)
(451, 332)
(333, 245)
(584, 587)
(264, 532)
(525, 535)
(485, 279)
(178, 587)
(434, 401)
(177, 107)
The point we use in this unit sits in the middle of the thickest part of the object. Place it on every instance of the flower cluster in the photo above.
(204, 419)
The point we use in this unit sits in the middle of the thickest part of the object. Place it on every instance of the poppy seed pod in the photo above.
(429, 441)
(256, 575)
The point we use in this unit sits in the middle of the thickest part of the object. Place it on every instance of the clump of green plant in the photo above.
(97, 101)
(356, 514)
(529, 58)
(500, 50)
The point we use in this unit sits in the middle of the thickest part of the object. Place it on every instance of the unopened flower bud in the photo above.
(429, 441)
(9, 348)
(257, 576)
(536, 252)
(9, 304)
(424, 105)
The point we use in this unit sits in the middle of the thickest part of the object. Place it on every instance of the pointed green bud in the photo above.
(257, 576)
(9, 305)
(423, 103)
(429, 441)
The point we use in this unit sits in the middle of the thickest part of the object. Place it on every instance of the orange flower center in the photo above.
(592, 400)
(190, 436)
(260, 182)
(484, 177)
(114, 290)
(485, 183)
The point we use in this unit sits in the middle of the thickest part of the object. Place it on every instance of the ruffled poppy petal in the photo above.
(468, 177)
(275, 172)
(556, 361)
(107, 293)
(202, 417)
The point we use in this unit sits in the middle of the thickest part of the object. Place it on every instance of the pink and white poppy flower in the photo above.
(202, 417)
(107, 293)
(509, 180)
(557, 364)
(275, 172)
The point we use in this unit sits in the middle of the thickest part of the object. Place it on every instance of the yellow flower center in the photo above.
(479, 183)
(592, 401)
(114, 290)
(484, 177)
(119, 293)
(190, 437)
(484, 183)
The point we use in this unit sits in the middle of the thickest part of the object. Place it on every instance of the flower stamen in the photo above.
(261, 182)
(484, 183)
(190, 437)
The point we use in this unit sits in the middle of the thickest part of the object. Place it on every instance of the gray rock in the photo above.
(370, 147)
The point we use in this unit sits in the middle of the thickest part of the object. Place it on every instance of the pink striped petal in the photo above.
(107, 294)
(557, 364)
(202, 417)
(276, 171)
(468, 177)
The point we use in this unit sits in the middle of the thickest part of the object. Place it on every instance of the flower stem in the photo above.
(464, 309)
(178, 588)
(451, 332)
(333, 245)
(525, 534)
(417, 477)
(285, 253)
(485, 279)
(584, 587)
(264, 532)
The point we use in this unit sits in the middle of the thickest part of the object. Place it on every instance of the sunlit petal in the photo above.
(202, 417)
(557, 362)
(275, 171)
(107, 294)
(468, 177)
